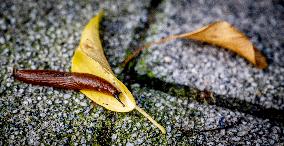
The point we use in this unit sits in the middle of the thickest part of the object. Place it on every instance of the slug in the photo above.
(67, 80)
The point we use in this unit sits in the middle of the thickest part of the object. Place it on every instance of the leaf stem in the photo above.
(151, 119)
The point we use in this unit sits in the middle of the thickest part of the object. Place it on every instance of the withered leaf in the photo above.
(221, 34)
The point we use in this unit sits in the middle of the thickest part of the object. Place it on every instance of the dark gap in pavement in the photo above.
(104, 135)
(141, 32)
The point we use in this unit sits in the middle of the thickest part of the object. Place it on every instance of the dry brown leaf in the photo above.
(221, 34)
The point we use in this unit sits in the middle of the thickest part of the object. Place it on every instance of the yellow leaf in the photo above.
(89, 58)
(220, 33)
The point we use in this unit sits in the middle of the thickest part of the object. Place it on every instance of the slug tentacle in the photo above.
(67, 80)
(116, 96)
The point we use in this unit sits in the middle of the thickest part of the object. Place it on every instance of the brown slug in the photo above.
(67, 80)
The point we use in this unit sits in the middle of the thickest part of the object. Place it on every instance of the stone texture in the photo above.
(215, 69)
(43, 35)
(185, 120)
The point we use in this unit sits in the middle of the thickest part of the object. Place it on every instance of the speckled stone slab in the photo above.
(215, 69)
(44, 35)
(188, 122)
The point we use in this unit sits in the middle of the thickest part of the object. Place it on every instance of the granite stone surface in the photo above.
(207, 67)
(44, 35)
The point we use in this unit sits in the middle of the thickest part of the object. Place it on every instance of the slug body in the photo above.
(67, 80)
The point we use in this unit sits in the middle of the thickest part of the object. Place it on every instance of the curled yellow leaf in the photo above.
(89, 58)
(222, 34)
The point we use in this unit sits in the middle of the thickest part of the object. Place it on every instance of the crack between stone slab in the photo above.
(107, 130)
(142, 33)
